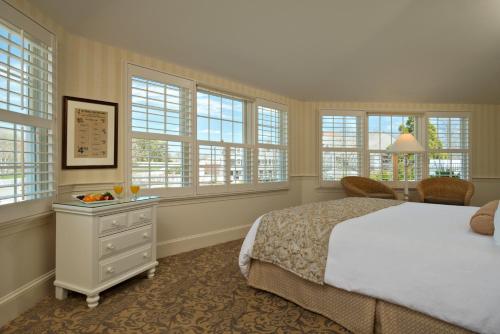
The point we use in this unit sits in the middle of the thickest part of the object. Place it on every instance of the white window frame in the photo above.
(361, 149)
(422, 123)
(195, 190)
(420, 135)
(227, 187)
(17, 210)
(468, 151)
(149, 74)
(271, 185)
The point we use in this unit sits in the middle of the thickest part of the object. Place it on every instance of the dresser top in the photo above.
(94, 207)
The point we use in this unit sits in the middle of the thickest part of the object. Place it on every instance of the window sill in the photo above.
(218, 196)
(26, 210)
(412, 185)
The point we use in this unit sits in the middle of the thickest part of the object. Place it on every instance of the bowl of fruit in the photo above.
(96, 197)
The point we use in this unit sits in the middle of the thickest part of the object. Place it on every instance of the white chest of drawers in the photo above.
(98, 246)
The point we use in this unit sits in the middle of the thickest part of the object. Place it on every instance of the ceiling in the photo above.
(343, 50)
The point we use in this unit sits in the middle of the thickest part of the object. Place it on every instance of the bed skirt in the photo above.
(358, 313)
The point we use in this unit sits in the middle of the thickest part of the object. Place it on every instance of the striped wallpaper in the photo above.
(90, 69)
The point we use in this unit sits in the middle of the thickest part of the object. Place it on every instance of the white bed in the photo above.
(421, 256)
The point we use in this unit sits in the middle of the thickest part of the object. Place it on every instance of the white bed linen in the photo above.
(421, 256)
(247, 247)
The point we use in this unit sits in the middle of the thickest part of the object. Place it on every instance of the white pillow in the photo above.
(496, 223)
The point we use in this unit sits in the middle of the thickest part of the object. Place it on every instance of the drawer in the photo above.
(138, 217)
(112, 223)
(119, 242)
(120, 264)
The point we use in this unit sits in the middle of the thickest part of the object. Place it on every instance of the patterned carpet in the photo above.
(196, 292)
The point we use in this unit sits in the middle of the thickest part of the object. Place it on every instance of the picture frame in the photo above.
(89, 134)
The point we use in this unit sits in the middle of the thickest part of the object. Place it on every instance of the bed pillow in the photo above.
(482, 221)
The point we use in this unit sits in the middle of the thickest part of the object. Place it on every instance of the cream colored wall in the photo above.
(27, 262)
(90, 69)
(93, 70)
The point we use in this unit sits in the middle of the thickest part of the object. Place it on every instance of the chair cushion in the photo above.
(482, 221)
(443, 200)
(381, 195)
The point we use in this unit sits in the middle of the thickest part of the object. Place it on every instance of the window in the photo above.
(178, 150)
(383, 130)
(448, 145)
(272, 143)
(341, 145)
(161, 124)
(26, 109)
(224, 149)
(348, 148)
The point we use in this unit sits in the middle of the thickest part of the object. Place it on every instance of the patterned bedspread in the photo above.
(296, 239)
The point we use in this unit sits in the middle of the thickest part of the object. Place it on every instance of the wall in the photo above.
(93, 70)
(90, 69)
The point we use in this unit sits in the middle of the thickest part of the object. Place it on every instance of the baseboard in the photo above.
(185, 244)
(25, 297)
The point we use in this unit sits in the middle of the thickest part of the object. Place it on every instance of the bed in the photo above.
(379, 266)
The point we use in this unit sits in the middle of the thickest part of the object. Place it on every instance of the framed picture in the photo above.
(89, 134)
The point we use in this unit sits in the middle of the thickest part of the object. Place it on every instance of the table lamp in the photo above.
(406, 143)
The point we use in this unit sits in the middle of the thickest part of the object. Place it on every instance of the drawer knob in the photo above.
(142, 216)
(110, 270)
(145, 235)
(110, 246)
(144, 255)
(114, 223)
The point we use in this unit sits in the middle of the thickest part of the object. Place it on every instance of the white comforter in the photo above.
(421, 256)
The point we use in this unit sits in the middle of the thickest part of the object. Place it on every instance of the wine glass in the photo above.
(118, 190)
(134, 189)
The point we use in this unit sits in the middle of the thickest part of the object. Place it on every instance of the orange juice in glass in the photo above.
(118, 190)
(134, 189)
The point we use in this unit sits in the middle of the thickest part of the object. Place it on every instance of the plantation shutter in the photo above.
(341, 145)
(161, 125)
(26, 108)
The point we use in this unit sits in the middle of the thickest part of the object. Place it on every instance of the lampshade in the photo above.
(406, 143)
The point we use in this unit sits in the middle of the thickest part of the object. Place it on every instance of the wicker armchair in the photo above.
(357, 186)
(445, 190)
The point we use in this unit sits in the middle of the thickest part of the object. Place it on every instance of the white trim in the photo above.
(201, 240)
(227, 187)
(18, 21)
(160, 136)
(270, 104)
(284, 184)
(361, 149)
(222, 92)
(448, 114)
(25, 209)
(25, 297)
(151, 74)
(18, 118)
(22, 289)
(422, 117)
(26, 222)
(467, 150)
(195, 190)
(341, 112)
